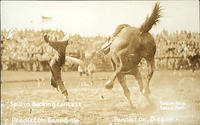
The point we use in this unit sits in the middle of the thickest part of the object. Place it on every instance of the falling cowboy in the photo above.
(56, 63)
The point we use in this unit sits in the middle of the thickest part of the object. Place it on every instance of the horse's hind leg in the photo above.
(117, 67)
(138, 77)
(151, 63)
(109, 83)
(113, 64)
(122, 80)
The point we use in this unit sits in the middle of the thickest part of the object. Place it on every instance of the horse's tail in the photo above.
(152, 20)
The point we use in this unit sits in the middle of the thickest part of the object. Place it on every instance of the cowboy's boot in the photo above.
(63, 91)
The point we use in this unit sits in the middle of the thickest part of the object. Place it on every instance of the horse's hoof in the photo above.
(66, 99)
(141, 89)
(146, 92)
(109, 85)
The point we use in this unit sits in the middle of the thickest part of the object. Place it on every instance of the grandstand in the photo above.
(26, 49)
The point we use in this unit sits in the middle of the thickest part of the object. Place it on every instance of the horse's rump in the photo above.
(119, 28)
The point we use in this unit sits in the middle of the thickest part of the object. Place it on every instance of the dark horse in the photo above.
(128, 46)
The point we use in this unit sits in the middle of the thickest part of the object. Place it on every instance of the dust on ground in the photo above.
(175, 99)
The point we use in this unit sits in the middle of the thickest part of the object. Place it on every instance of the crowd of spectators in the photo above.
(173, 49)
(26, 49)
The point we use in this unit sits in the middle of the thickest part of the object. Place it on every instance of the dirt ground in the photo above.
(175, 96)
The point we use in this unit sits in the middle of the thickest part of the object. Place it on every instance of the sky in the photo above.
(91, 18)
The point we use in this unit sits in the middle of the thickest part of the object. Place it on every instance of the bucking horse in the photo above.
(127, 46)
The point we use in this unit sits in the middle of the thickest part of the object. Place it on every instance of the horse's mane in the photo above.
(152, 20)
(119, 28)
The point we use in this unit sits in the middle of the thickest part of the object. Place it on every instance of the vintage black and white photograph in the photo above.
(100, 62)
